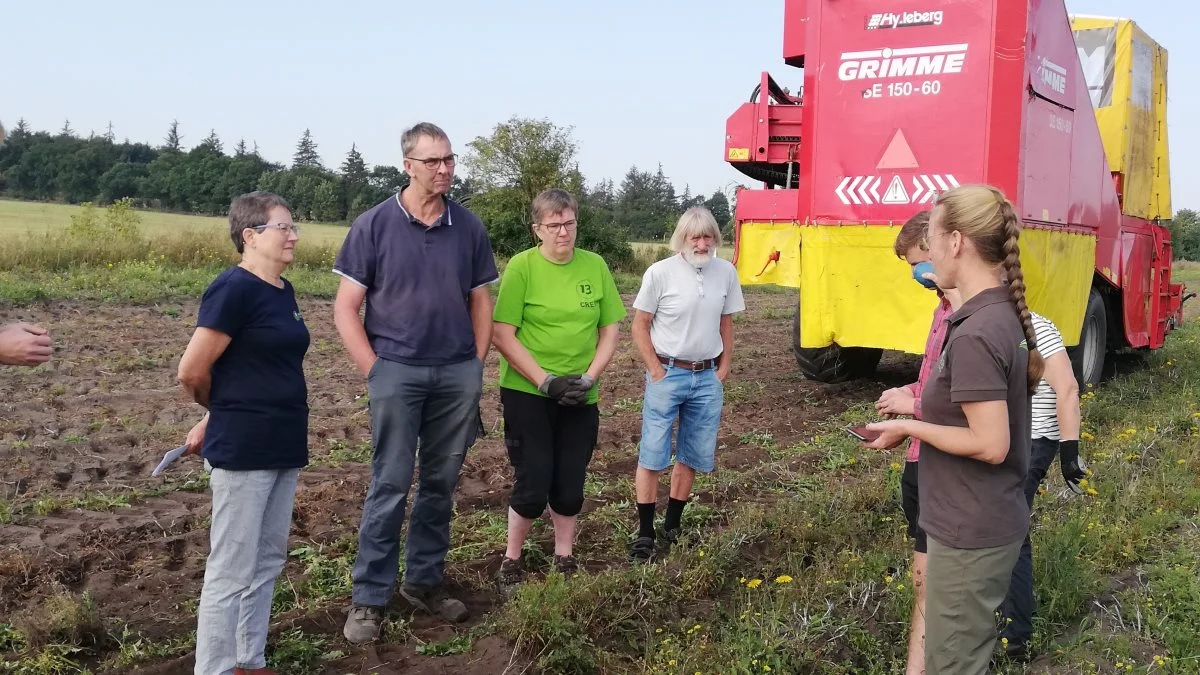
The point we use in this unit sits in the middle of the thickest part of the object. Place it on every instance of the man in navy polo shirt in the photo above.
(422, 262)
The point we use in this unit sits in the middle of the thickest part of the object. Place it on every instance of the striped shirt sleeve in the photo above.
(1049, 340)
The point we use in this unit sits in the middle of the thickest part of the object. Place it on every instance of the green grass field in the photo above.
(19, 218)
(170, 256)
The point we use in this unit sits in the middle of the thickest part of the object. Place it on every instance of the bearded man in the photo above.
(683, 329)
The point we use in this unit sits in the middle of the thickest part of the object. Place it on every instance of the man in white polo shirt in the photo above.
(683, 329)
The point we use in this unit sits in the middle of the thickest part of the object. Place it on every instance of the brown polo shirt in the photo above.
(967, 503)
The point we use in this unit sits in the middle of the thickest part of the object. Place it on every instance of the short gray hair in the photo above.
(251, 210)
(551, 201)
(696, 220)
(408, 140)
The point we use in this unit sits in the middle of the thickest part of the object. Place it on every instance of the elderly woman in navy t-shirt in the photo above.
(245, 365)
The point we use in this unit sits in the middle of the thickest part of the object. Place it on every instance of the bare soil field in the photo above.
(80, 437)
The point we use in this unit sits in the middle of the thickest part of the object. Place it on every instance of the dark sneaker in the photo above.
(511, 575)
(642, 549)
(566, 565)
(670, 536)
(435, 600)
(1015, 651)
(362, 625)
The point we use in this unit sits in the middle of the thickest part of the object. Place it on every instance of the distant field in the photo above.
(17, 218)
(640, 247)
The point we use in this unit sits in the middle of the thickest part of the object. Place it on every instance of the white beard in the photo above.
(699, 260)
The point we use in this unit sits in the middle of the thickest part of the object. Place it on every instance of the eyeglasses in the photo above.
(432, 163)
(282, 227)
(555, 228)
(927, 237)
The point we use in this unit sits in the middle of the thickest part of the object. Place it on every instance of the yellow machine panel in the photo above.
(1126, 74)
(854, 290)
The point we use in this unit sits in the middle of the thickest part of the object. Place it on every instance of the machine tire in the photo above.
(1087, 358)
(834, 363)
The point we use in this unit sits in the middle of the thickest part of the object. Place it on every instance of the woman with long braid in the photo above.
(975, 431)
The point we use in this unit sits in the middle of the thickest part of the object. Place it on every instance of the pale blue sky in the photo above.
(641, 82)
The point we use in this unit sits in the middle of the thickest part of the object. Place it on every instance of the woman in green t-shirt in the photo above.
(556, 324)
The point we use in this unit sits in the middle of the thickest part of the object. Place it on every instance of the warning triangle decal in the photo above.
(898, 155)
(896, 194)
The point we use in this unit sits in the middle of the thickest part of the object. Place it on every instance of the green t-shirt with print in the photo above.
(558, 311)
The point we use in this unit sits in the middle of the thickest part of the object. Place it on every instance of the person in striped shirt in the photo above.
(1055, 430)
(912, 247)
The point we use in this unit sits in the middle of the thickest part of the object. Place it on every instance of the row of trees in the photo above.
(504, 171)
(1185, 234)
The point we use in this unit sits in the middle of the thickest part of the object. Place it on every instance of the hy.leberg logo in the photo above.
(880, 64)
(904, 19)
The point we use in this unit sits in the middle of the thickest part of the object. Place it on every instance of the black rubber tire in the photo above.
(834, 363)
(1087, 358)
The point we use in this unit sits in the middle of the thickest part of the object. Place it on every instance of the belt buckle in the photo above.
(698, 366)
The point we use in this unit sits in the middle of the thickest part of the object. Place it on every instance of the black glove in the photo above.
(578, 392)
(555, 386)
(1074, 469)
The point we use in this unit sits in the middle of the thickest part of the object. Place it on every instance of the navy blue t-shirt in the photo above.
(417, 280)
(258, 405)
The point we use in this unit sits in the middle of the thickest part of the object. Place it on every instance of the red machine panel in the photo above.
(1065, 176)
(899, 100)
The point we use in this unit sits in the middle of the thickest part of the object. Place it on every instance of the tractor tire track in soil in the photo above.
(80, 436)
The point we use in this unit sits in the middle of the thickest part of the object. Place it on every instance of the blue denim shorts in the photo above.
(695, 399)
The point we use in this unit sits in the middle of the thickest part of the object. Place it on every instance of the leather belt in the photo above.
(693, 366)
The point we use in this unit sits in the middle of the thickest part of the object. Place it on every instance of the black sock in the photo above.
(646, 520)
(674, 513)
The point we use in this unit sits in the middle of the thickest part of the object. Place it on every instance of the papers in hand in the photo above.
(169, 458)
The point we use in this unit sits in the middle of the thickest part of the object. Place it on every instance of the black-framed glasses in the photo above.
(432, 163)
(287, 228)
(555, 228)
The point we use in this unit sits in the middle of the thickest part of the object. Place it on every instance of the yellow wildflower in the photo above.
(783, 579)
(754, 583)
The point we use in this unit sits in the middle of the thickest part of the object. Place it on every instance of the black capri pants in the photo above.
(549, 446)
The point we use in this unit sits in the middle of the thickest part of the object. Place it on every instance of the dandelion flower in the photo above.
(895, 466)
(783, 579)
(754, 583)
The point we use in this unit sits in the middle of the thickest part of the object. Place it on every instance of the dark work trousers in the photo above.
(435, 407)
(1019, 605)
